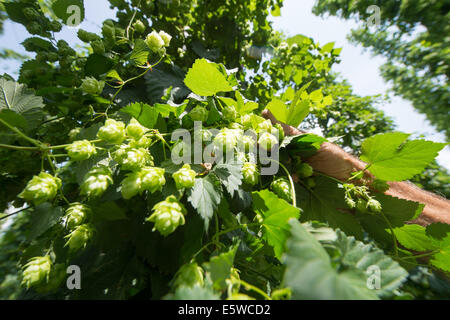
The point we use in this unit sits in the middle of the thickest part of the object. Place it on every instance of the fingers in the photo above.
(288, 130)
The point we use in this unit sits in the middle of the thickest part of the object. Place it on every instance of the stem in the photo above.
(250, 287)
(394, 238)
(420, 255)
(14, 213)
(6, 146)
(20, 133)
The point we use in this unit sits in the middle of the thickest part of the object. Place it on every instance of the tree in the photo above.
(86, 148)
(413, 36)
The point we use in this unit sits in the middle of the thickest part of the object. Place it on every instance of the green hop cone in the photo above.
(374, 205)
(305, 170)
(380, 185)
(247, 143)
(73, 134)
(143, 142)
(350, 202)
(96, 181)
(226, 139)
(81, 150)
(76, 215)
(41, 188)
(152, 178)
(250, 173)
(265, 126)
(131, 185)
(36, 271)
(154, 41)
(185, 177)
(58, 274)
(135, 130)
(167, 215)
(86, 36)
(246, 121)
(361, 205)
(267, 141)
(166, 38)
(80, 237)
(98, 47)
(132, 159)
(278, 132)
(139, 26)
(190, 274)
(229, 113)
(199, 113)
(282, 189)
(113, 131)
(91, 85)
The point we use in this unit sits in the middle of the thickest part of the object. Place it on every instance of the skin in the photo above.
(335, 162)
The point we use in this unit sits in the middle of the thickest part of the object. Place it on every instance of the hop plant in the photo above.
(99, 48)
(36, 271)
(229, 113)
(282, 189)
(131, 185)
(167, 215)
(305, 170)
(81, 150)
(80, 237)
(41, 188)
(374, 205)
(361, 205)
(199, 113)
(76, 215)
(139, 26)
(96, 181)
(247, 143)
(265, 126)
(132, 159)
(246, 121)
(143, 142)
(250, 173)
(55, 279)
(185, 177)
(86, 36)
(166, 38)
(267, 141)
(190, 274)
(148, 178)
(91, 85)
(135, 130)
(155, 42)
(113, 131)
(73, 134)
(226, 139)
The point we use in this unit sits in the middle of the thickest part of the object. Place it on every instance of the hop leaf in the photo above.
(91, 85)
(96, 181)
(167, 215)
(36, 271)
(81, 150)
(41, 188)
(113, 131)
(185, 177)
(80, 237)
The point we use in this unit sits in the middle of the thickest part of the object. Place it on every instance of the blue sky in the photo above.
(361, 69)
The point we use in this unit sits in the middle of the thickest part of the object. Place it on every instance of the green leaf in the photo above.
(316, 96)
(108, 211)
(304, 145)
(13, 118)
(17, 98)
(43, 218)
(113, 75)
(413, 237)
(219, 267)
(310, 275)
(276, 214)
(276, 12)
(97, 65)
(163, 77)
(205, 196)
(139, 55)
(398, 211)
(362, 256)
(327, 48)
(439, 234)
(325, 203)
(292, 115)
(230, 175)
(392, 158)
(61, 8)
(145, 114)
(205, 79)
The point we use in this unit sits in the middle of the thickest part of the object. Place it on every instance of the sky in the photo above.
(360, 68)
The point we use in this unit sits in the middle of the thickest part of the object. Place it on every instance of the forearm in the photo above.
(335, 162)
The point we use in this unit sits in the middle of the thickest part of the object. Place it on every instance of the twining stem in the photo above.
(6, 146)
(420, 255)
(20, 133)
(250, 287)
(14, 213)
(394, 238)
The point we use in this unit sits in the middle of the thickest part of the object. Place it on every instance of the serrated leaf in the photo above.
(16, 97)
(43, 218)
(205, 196)
(413, 237)
(163, 77)
(219, 267)
(108, 211)
(139, 55)
(145, 114)
(398, 211)
(325, 203)
(292, 115)
(362, 256)
(439, 235)
(275, 213)
(310, 275)
(392, 158)
(327, 48)
(205, 79)
(230, 175)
